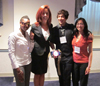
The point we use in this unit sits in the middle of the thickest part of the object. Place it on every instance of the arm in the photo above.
(31, 41)
(51, 45)
(11, 49)
(90, 35)
(90, 55)
(90, 59)
(52, 39)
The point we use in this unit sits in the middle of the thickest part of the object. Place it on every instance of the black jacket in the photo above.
(40, 44)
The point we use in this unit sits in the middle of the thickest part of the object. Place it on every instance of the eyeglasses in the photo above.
(80, 24)
(27, 24)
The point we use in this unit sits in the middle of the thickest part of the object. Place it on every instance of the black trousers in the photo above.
(79, 74)
(66, 70)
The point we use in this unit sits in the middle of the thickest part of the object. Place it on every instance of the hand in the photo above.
(52, 45)
(31, 35)
(87, 71)
(20, 75)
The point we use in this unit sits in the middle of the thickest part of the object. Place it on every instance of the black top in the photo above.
(40, 51)
(67, 31)
(40, 44)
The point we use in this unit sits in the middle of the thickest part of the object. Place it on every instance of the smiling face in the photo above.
(24, 24)
(80, 26)
(45, 16)
(61, 19)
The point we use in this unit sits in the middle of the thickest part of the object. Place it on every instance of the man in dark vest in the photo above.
(62, 37)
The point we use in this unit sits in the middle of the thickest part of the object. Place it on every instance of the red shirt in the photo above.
(82, 44)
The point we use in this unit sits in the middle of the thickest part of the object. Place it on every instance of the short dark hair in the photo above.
(24, 17)
(64, 12)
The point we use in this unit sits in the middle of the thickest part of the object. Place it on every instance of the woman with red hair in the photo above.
(42, 34)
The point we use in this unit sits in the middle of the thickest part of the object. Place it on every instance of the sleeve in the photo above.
(51, 32)
(31, 45)
(90, 40)
(30, 42)
(11, 50)
(73, 26)
(32, 28)
(53, 35)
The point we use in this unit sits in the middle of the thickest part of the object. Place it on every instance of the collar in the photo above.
(20, 33)
(60, 27)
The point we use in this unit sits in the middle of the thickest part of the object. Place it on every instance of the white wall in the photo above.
(96, 42)
(5, 64)
(30, 7)
(8, 22)
(13, 10)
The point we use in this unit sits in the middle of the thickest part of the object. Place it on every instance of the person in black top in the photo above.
(42, 30)
(62, 37)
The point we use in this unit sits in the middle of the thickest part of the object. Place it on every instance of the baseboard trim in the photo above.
(6, 75)
(46, 78)
(95, 71)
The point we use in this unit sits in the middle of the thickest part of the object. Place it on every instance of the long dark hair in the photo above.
(85, 31)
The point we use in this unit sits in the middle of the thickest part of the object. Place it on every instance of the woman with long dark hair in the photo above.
(81, 56)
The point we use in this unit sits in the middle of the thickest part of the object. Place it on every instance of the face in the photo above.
(45, 16)
(24, 24)
(61, 19)
(80, 26)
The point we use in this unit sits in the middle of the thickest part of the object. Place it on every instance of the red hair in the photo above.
(39, 14)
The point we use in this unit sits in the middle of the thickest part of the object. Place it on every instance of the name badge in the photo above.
(63, 40)
(76, 49)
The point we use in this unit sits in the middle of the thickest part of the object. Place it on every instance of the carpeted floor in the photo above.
(6, 81)
(94, 80)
